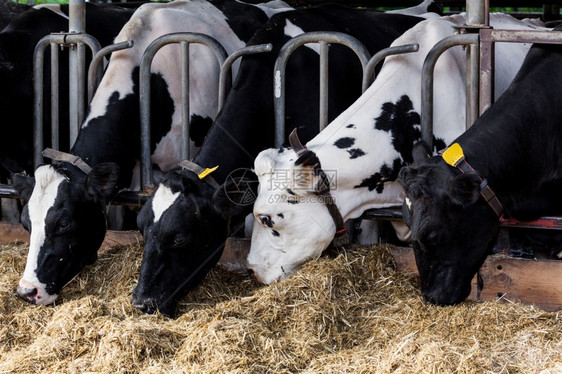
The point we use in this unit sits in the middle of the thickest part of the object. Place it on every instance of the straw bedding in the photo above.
(352, 313)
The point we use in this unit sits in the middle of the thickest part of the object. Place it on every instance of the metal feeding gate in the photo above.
(323, 39)
(225, 78)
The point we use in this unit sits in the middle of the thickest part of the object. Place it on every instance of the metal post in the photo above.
(185, 155)
(76, 24)
(323, 115)
(55, 96)
(477, 17)
(281, 64)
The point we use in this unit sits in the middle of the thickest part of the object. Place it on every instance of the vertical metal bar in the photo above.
(72, 92)
(472, 87)
(76, 24)
(55, 96)
(323, 116)
(475, 12)
(76, 16)
(80, 85)
(486, 71)
(279, 99)
(476, 17)
(185, 154)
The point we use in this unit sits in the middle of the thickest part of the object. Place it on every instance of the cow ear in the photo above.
(464, 189)
(101, 182)
(24, 184)
(406, 174)
(236, 196)
(305, 176)
(420, 153)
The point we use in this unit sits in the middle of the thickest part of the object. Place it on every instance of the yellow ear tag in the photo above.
(453, 155)
(206, 172)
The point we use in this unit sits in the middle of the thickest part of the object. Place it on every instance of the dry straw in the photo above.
(352, 313)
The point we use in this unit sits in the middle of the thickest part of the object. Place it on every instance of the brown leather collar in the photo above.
(341, 237)
(56, 155)
(192, 166)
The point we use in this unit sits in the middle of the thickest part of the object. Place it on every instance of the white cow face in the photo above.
(65, 217)
(292, 223)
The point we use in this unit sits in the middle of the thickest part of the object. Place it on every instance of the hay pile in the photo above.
(349, 314)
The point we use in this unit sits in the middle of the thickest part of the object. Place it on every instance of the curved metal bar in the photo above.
(146, 62)
(226, 68)
(427, 80)
(281, 64)
(38, 57)
(64, 39)
(369, 71)
(95, 71)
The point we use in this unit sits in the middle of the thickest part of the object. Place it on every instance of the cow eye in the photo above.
(179, 241)
(265, 220)
(63, 225)
(433, 238)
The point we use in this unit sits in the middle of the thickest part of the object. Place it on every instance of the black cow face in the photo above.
(65, 217)
(453, 229)
(184, 237)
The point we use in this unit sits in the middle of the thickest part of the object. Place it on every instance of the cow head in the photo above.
(285, 235)
(184, 233)
(65, 215)
(453, 229)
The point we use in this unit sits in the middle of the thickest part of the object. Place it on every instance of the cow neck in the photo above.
(340, 238)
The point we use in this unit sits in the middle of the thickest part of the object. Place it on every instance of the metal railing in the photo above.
(279, 77)
(76, 105)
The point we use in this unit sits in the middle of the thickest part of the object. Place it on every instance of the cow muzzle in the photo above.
(34, 295)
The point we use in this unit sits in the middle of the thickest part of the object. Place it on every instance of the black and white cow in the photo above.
(66, 205)
(362, 151)
(17, 43)
(184, 230)
(516, 146)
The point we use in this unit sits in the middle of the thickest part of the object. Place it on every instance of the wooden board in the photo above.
(507, 279)
(536, 282)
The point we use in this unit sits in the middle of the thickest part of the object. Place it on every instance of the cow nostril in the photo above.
(27, 294)
(251, 273)
(145, 306)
